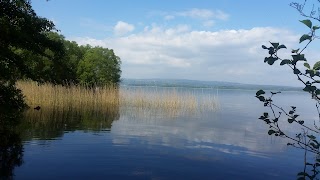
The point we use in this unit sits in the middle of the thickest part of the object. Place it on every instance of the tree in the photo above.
(20, 29)
(75, 65)
(74, 54)
(30, 49)
(99, 66)
(309, 76)
(55, 68)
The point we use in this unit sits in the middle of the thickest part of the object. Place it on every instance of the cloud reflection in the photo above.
(211, 130)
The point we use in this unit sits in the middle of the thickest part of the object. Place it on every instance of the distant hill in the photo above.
(203, 84)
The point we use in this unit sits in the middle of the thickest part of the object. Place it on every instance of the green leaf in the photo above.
(316, 66)
(305, 37)
(291, 112)
(314, 145)
(296, 71)
(282, 46)
(309, 88)
(275, 45)
(271, 50)
(270, 60)
(307, 22)
(298, 57)
(307, 65)
(311, 136)
(261, 98)
(270, 132)
(311, 72)
(264, 47)
(301, 122)
(265, 114)
(258, 93)
(290, 120)
(267, 121)
(295, 50)
(285, 61)
(317, 92)
(315, 27)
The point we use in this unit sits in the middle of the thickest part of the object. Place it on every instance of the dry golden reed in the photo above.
(105, 99)
(167, 101)
(71, 98)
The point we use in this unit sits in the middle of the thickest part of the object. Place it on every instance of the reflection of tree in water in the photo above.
(11, 152)
(11, 148)
(52, 123)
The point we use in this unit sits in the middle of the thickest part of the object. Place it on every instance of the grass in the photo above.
(78, 99)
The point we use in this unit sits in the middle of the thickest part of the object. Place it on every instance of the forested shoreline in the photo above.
(32, 49)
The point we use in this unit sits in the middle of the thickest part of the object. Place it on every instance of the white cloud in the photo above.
(169, 17)
(208, 23)
(195, 134)
(226, 55)
(221, 15)
(122, 28)
(204, 14)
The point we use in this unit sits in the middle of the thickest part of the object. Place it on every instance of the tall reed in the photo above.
(79, 99)
(76, 98)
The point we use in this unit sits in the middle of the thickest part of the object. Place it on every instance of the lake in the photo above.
(229, 142)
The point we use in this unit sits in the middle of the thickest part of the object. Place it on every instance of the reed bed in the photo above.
(168, 101)
(79, 99)
(71, 98)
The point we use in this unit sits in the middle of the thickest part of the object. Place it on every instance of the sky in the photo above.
(186, 39)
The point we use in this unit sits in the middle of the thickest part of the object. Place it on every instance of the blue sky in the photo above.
(184, 39)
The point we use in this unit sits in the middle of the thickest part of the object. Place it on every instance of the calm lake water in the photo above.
(227, 143)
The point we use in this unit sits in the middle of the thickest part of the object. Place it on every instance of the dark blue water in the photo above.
(228, 143)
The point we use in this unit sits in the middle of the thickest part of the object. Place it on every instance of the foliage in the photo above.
(30, 49)
(21, 28)
(53, 67)
(98, 67)
(11, 105)
(309, 76)
(94, 66)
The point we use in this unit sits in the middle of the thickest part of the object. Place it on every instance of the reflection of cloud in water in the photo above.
(221, 131)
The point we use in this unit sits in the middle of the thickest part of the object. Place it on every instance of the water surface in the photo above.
(227, 143)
